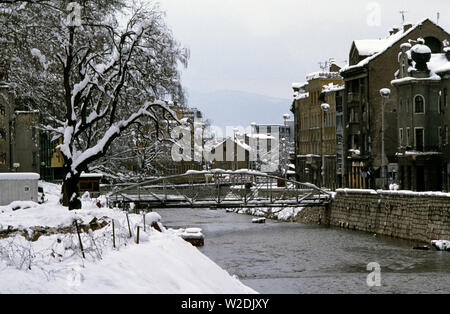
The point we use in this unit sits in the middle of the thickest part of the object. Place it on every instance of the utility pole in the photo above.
(286, 146)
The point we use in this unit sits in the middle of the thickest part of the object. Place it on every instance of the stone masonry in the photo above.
(405, 215)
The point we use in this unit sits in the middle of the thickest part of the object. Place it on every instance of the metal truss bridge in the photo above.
(218, 189)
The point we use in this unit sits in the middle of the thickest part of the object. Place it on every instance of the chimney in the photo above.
(406, 27)
(394, 30)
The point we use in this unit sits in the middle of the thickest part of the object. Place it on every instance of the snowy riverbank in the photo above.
(162, 262)
(287, 214)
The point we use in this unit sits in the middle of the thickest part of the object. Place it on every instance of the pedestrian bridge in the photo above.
(218, 189)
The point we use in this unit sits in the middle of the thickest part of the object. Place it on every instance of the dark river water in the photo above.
(279, 257)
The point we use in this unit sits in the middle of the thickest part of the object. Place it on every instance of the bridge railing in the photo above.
(219, 186)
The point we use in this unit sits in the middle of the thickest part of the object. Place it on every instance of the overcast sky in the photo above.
(263, 46)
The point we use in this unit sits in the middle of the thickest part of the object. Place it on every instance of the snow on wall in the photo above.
(19, 176)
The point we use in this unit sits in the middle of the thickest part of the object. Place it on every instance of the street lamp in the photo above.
(285, 140)
(254, 146)
(385, 93)
(325, 108)
(235, 147)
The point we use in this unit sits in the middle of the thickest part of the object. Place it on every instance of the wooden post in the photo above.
(137, 235)
(114, 234)
(143, 216)
(129, 229)
(79, 239)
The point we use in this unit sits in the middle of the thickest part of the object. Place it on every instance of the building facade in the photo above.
(418, 117)
(371, 68)
(315, 129)
(19, 136)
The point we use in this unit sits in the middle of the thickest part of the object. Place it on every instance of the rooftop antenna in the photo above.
(438, 16)
(403, 12)
(323, 66)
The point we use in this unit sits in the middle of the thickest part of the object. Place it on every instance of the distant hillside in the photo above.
(236, 108)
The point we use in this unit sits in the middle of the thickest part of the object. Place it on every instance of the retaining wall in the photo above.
(401, 214)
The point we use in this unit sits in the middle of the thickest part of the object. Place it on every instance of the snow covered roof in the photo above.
(237, 141)
(369, 47)
(417, 153)
(374, 48)
(260, 136)
(332, 88)
(323, 75)
(19, 176)
(437, 64)
(299, 85)
(299, 96)
(91, 175)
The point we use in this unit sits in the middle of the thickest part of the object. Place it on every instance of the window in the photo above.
(446, 135)
(400, 136)
(419, 139)
(2, 110)
(408, 134)
(419, 104)
(2, 135)
(34, 163)
(440, 136)
(2, 158)
(445, 97)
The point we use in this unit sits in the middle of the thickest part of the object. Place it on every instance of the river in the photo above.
(282, 258)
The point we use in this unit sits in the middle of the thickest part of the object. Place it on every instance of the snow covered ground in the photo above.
(161, 263)
(276, 213)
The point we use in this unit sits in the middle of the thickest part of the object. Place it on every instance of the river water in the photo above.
(279, 257)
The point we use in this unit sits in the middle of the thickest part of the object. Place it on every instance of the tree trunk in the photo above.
(70, 192)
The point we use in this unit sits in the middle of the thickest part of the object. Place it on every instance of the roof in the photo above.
(375, 48)
(323, 75)
(19, 176)
(237, 141)
(332, 88)
(91, 175)
(369, 47)
(437, 64)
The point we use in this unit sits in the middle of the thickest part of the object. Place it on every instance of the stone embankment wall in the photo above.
(400, 214)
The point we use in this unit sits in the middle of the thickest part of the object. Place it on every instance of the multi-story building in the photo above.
(444, 141)
(311, 143)
(334, 135)
(418, 117)
(371, 68)
(19, 136)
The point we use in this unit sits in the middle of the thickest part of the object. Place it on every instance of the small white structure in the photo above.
(18, 187)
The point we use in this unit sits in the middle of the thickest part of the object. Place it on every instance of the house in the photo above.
(315, 129)
(372, 65)
(233, 153)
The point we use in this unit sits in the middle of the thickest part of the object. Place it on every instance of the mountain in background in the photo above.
(236, 108)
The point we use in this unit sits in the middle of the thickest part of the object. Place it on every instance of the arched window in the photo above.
(434, 44)
(419, 104)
